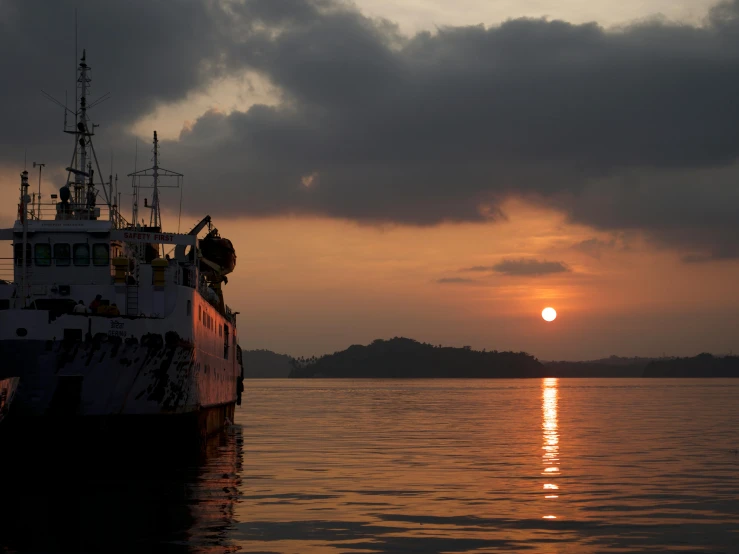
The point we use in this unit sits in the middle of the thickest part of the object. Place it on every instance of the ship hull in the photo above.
(113, 389)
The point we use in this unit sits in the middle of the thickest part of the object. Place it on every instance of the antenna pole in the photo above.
(111, 198)
(24, 219)
(135, 207)
(40, 166)
(157, 172)
(155, 195)
(81, 132)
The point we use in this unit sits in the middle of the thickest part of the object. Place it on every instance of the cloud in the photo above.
(144, 53)
(529, 267)
(477, 268)
(631, 128)
(454, 280)
(593, 247)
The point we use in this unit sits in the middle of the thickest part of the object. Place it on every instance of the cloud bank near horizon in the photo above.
(621, 129)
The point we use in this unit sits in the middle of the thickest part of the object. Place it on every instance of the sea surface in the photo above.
(413, 466)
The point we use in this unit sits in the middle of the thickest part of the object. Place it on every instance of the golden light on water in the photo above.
(549, 314)
(550, 434)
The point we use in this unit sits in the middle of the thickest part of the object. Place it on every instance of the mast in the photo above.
(24, 220)
(40, 166)
(81, 132)
(84, 193)
(156, 172)
(155, 215)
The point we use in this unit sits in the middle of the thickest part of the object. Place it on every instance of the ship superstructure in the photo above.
(111, 321)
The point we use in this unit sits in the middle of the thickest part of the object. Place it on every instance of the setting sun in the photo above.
(549, 314)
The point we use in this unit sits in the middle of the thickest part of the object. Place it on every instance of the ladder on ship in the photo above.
(132, 299)
(132, 294)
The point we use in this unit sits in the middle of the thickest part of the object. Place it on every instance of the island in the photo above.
(265, 364)
(407, 358)
(702, 365)
(402, 357)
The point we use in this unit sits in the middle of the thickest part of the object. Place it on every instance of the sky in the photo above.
(430, 169)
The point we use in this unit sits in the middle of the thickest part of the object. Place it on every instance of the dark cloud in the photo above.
(529, 267)
(593, 247)
(454, 280)
(633, 128)
(477, 268)
(145, 53)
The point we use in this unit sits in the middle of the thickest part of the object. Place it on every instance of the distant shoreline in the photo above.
(409, 359)
(402, 358)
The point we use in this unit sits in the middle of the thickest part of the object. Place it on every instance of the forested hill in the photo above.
(266, 364)
(402, 357)
(702, 365)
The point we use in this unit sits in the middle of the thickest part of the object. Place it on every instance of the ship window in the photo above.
(82, 254)
(200, 313)
(19, 254)
(100, 254)
(42, 254)
(62, 254)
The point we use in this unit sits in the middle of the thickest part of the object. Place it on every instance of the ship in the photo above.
(110, 325)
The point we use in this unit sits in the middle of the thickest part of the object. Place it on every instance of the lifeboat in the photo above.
(219, 251)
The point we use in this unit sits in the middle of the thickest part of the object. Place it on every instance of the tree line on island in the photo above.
(402, 357)
(407, 358)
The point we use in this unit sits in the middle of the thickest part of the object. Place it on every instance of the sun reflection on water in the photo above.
(550, 431)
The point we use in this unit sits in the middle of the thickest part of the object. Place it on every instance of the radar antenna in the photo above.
(83, 201)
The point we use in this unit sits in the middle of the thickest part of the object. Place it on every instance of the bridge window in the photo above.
(62, 254)
(19, 254)
(82, 254)
(42, 254)
(100, 254)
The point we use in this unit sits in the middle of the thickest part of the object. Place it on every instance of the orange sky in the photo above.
(309, 286)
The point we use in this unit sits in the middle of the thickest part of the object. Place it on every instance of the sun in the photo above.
(549, 314)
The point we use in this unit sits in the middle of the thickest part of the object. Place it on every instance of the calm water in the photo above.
(331, 466)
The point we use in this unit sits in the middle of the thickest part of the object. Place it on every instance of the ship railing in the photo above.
(230, 315)
(7, 270)
(77, 212)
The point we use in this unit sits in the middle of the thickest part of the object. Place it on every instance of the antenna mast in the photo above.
(40, 166)
(79, 178)
(155, 214)
(23, 209)
(155, 220)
